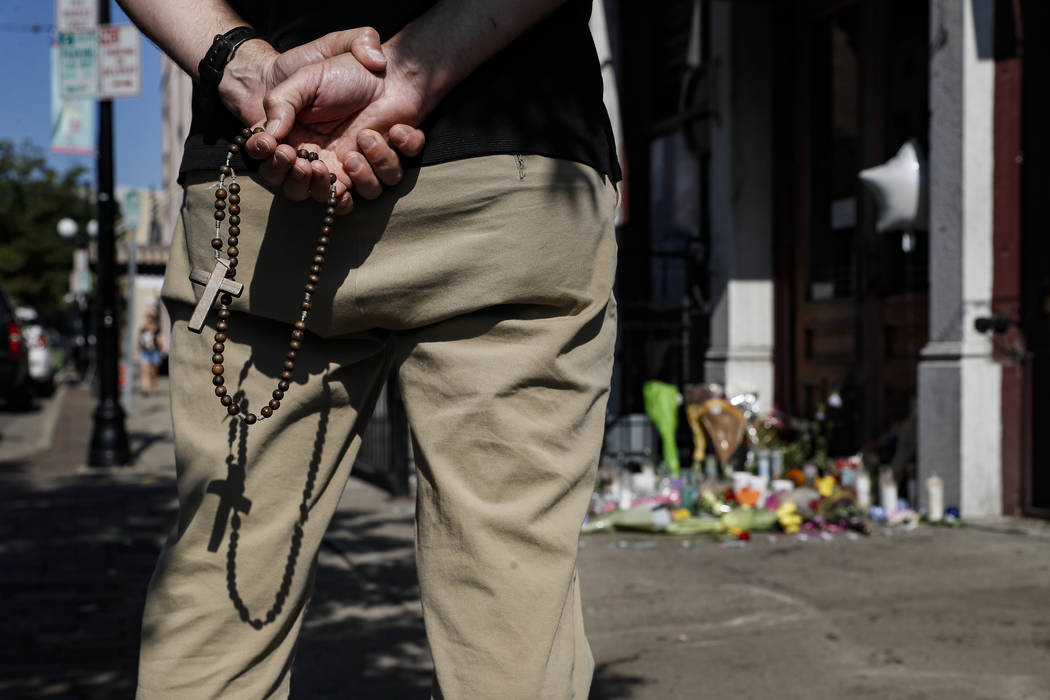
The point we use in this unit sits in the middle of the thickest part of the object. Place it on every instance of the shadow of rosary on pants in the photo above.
(232, 491)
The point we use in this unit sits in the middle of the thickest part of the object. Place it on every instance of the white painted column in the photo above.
(960, 428)
(741, 201)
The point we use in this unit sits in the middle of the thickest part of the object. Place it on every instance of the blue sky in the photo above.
(25, 85)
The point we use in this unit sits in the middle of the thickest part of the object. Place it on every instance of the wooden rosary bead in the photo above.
(332, 201)
(234, 231)
(250, 418)
(216, 369)
(306, 306)
(303, 153)
(227, 170)
(315, 270)
(278, 394)
(217, 380)
(222, 326)
(258, 130)
(233, 251)
(233, 261)
(330, 211)
(313, 277)
(289, 364)
(331, 178)
(309, 288)
(283, 385)
(321, 249)
(235, 199)
(220, 203)
(297, 335)
(295, 344)
(324, 240)
(287, 375)
(226, 400)
(318, 260)
(329, 221)
(220, 215)
(234, 187)
(216, 243)
(235, 220)
(274, 403)
(231, 273)
(224, 314)
(220, 391)
(301, 325)
(292, 355)
(266, 411)
(325, 230)
(226, 300)
(235, 208)
(234, 148)
(217, 358)
(220, 193)
(218, 347)
(233, 240)
(233, 409)
(220, 337)
(312, 156)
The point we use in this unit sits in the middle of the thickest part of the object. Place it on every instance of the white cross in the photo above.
(214, 283)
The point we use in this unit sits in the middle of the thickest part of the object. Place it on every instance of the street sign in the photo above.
(76, 16)
(119, 61)
(72, 121)
(78, 65)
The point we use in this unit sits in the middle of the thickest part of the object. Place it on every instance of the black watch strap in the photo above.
(214, 62)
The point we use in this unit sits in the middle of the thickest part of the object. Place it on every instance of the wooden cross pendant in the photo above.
(214, 283)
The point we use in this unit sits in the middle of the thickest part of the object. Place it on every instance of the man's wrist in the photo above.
(244, 80)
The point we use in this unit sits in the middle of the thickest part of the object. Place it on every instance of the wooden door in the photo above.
(859, 303)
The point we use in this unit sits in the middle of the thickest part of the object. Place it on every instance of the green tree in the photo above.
(35, 262)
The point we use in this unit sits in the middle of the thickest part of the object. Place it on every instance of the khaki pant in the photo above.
(488, 287)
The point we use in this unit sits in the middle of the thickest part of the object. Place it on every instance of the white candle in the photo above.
(935, 498)
(888, 492)
(864, 489)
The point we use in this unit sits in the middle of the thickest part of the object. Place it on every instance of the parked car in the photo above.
(41, 367)
(15, 384)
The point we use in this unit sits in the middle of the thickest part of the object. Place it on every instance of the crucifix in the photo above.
(214, 283)
(231, 498)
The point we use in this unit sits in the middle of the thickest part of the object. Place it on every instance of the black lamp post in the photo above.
(109, 439)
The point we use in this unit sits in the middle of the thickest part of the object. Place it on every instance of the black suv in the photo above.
(15, 386)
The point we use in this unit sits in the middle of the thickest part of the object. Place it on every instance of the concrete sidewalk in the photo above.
(952, 613)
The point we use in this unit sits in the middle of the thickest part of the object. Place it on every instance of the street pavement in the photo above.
(959, 613)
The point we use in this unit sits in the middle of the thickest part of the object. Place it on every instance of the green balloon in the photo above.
(661, 405)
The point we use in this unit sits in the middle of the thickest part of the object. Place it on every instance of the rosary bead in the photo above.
(293, 355)
(309, 288)
(289, 365)
(225, 300)
(301, 325)
(224, 314)
(234, 148)
(306, 306)
(235, 208)
(324, 240)
(297, 335)
(220, 193)
(239, 140)
(220, 215)
(321, 250)
(217, 380)
(216, 369)
(226, 170)
(220, 337)
(328, 221)
(283, 385)
(303, 153)
(235, 230)
(216, 243)
(325, 230)
(222, 326)
(220, 204)
(233, 409)
(235, 199)
(266, 411)
(233, 251)
(311, 156)
(315, 270)
(218, 347)
(233, 261)
(217, 358)
(220, 391)
(295, 344)
(330, 211)
(250, 418)
(277, 395)
(318, 260)
(332, 201)
(231, 273)
(258, 130)
(226, 400)
(234, 188)
(246, 132)
(286, 375)
(235, 220)
(331, 178)
(233, 240)
(274, 403)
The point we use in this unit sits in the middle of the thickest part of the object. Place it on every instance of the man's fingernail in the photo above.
(367, 140)
(354, 164)
(400, 135)
(376, 55)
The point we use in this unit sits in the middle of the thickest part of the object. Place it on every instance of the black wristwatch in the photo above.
(214, 62)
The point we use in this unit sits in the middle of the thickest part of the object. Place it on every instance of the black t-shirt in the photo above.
(541, 95)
